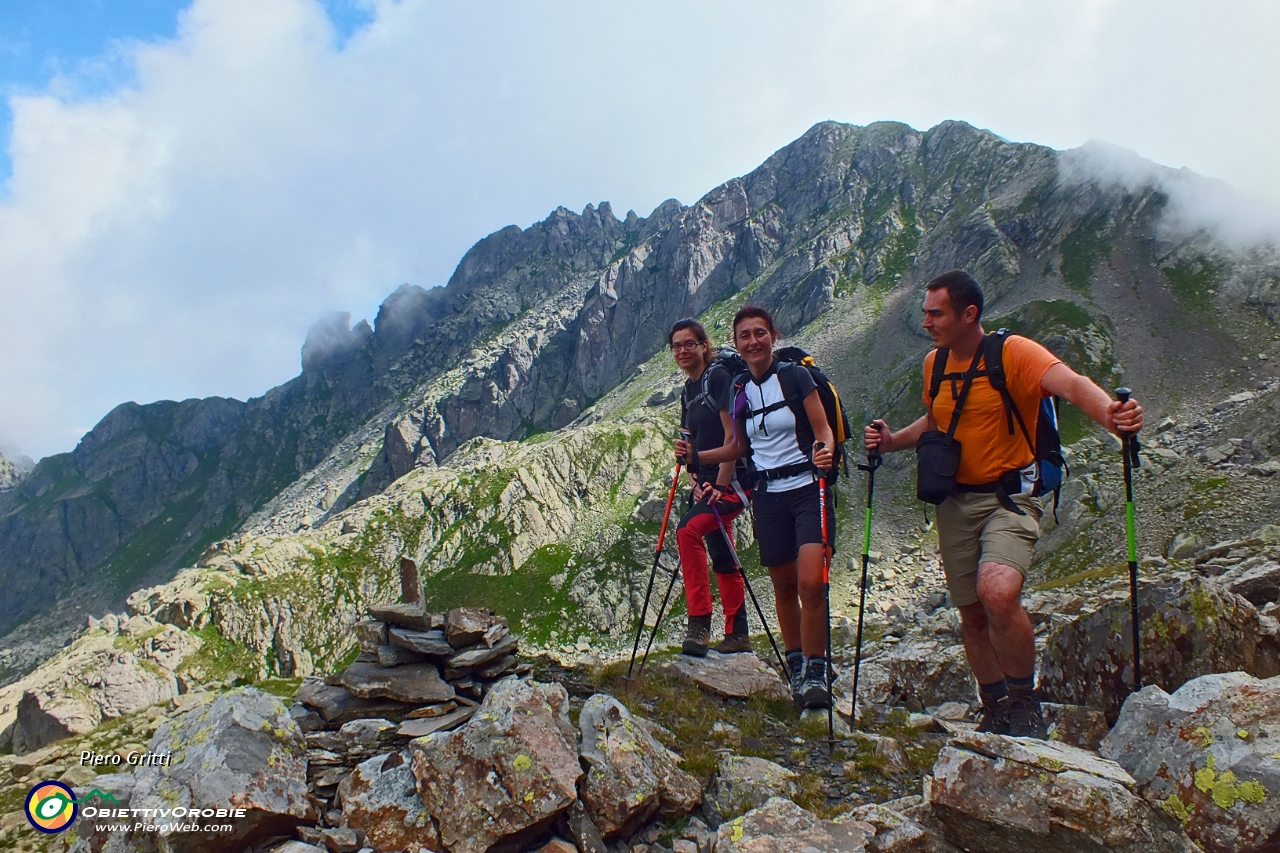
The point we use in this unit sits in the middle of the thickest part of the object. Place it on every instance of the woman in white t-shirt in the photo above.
(779, 419)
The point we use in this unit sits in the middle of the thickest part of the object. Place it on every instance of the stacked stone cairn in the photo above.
(417, 673)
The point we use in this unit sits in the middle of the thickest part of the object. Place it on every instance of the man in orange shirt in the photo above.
(987, 535)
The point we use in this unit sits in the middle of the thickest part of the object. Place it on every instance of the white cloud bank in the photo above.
(176, 237)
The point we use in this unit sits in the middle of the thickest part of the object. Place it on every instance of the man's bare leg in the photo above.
(1011, 637)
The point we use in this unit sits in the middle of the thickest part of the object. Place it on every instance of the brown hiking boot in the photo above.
(698, 637)
(1025, 716)
(733, 643)
(995, 717)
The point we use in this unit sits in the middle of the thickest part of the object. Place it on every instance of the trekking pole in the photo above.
(662, 535)
(873, 462)
(826, 597)
(658, 622)
(738, 563)
(1129, 452)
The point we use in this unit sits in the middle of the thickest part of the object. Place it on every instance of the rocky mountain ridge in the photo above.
(835, 232)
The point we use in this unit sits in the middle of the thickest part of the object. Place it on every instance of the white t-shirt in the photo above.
(773, 435)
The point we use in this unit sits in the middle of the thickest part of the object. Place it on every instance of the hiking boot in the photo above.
(813, 690)
(733, 643)
(1025, 718)
(995, 717)
(698, 637)
(797, 676)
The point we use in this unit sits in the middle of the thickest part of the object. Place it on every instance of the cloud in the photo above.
(174, 228)
(1197, 204)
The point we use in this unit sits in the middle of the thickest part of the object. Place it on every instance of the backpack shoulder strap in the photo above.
(940, 356)
(993, 346)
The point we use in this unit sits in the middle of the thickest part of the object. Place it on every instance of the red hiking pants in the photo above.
(698, 534)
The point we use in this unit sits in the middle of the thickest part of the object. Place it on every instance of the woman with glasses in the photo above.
(785, 429)
(705, 424)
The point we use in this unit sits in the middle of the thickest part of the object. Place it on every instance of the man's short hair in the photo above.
(961, 287)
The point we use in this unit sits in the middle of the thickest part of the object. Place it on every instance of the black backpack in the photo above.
(794, 358)
(728, 360)
(1051, 468)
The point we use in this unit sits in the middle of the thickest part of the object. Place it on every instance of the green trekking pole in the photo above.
(1129, 452)
(873, 462)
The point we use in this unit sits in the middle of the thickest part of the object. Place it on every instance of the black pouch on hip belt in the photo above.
(938, 453)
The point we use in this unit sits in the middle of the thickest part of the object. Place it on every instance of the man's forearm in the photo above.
(907, 437)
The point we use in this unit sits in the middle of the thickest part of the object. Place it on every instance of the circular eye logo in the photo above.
(51, 807)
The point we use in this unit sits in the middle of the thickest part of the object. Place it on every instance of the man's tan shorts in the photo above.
(974, 528)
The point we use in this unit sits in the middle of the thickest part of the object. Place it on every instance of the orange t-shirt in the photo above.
(987, 450)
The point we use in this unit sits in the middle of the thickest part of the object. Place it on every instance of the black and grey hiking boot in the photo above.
(733, 643)
(813, 690)
(796, 664)
(995, 717)
(1025, 717)
(698, 638)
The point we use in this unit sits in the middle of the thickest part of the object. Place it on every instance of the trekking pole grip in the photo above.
(1130, 440)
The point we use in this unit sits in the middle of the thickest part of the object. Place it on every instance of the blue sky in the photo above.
(187, 188)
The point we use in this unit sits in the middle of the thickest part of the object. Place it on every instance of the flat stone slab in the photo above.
(405, 615)
(416, 682)
(482, 654)
(466, 625)
(1045, 755)
(423, 726)
(736, 676)
(336, 705)
(431, 643)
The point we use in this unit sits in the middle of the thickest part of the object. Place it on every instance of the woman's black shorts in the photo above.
(783, 521)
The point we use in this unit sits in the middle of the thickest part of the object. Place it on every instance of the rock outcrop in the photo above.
(1207, 755)
(743, 783)
(1009, 795)
(240, 751)
(780, 826)
(631, 779)
(117, 668)
(1190, 627)
(507, 775)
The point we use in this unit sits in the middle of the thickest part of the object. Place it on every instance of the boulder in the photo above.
(925, 674)
(419, 683)
(736, 676)
(874, 686)
(501, 781)
(780, 826)
(240, 751)
(743, 783)
(897, 833)
(1075, 725)
(631, 778)
(1183, 547)
(336, 705)
(1257, 579)
(1209, 754)
(92, 834)
(1001, 794)
(1190, 627)
(380, 798)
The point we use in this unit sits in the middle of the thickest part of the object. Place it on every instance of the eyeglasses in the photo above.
(685, 345)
